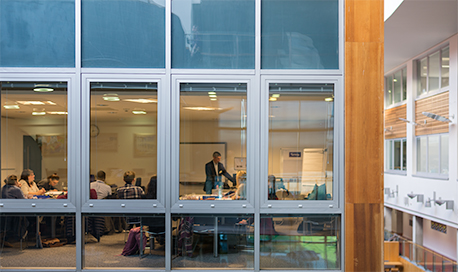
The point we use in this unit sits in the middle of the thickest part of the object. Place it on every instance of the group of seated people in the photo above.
(26, 187)
(128, 191)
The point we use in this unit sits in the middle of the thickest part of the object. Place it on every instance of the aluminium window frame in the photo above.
(427, 174)
(418, 94)
(393, 104)
(390, 168)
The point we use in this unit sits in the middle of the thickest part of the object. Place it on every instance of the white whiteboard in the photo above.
(194, 156)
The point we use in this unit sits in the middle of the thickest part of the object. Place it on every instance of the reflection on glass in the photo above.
(213, 34)
(116, 241)
(299, 34)
(389, 89)
(213, 241)
(422, 74)
(301, 127)
(130, 34)
(123, 140)
(433, 154)
(21, 235)
(421, 154)
(34, 139)
(300, 242)
(434, 72)
(445, 67)
(397, 155)
(444, 154)
(39, 33)
(213, 141)
(397, 87)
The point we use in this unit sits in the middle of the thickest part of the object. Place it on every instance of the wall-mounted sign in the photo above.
(295, 154)
(439, 227)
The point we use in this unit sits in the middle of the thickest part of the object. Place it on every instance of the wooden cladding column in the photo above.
(364, 35)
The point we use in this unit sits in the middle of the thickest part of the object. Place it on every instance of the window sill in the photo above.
(395, 172)
(431, 176)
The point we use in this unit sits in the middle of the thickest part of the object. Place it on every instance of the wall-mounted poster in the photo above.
(105, 142)
(145, 145)
(52, 145)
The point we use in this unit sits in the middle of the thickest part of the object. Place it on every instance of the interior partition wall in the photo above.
(156, 87)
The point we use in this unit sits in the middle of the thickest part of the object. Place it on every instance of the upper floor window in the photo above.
(396, 154)
(433, 72)
(432, 154)
(396, 87)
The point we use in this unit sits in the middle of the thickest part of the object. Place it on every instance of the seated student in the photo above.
(28, 185)
(52, 182)
(11, 188)
(151, 189)
(240, 194)
(130, 191)
(103, 190)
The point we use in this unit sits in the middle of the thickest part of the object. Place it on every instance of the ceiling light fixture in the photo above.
(31, 103)
(11, 107)
(201, 108)
(43, 89)
(211, 93)
(141, 100)
(38, 113)
(139, 112)
(272, 99)
(276, 95)
(329, 99)
(111, 97)
(57, 112)
(213, 99)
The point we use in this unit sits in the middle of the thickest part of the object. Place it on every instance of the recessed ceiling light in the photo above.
(329, 99)
(43, 89)
(141, 100)
(58, 112)
(213, 95)
(139, 112)
(211, 92)
(201, 108)
(111, 97)
(38, 113)
(395, 80)
(272, 99)
(276, 95)
(11, 107)
(213, 99)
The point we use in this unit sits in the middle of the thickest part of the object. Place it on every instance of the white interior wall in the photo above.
(443, 243)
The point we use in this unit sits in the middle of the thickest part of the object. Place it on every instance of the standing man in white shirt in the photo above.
(102, 189)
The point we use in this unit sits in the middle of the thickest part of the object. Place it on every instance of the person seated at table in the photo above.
(28, 185)
(51, 184)
(11, 188)
(103, 190)
(130, 191)
(151, 189)
(240, 194)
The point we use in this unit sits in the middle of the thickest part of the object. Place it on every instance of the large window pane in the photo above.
(213, 34)
(299, 34)
(404, 154)
(433, 154)
(434, 72)
(389, 90)
(397, 155)
(38, 33)
(34, 139)
(129, 34)
(397, 87)
(52, 235)
(445, 67)
(301, 127)
(422, 146)
(444, 154)
(404, 84)
(117, 241)
(422, 74)
(389, 155)
(213, 242)
(123, 140)
(213, 141)
(300, 242)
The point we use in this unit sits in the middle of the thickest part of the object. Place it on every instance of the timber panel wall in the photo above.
(395, 128)
(437, 104)
(364, 107)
